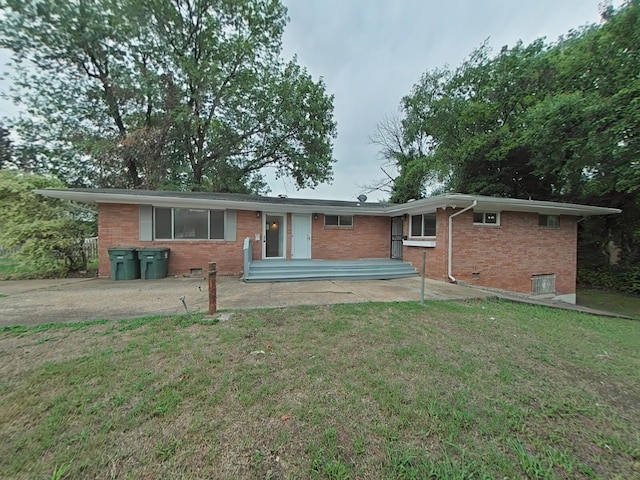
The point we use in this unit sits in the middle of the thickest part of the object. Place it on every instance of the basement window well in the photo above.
(543, 284)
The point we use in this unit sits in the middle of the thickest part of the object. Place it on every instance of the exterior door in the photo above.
(274, 236)
(300, 236)
(396, 238)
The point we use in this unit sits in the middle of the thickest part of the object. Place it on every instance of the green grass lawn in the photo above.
(449, 390)
(610, 301)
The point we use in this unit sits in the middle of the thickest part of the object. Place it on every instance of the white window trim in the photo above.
(426, 237)
(338, 226)
(552, 227)
(172, 239)
(420, 243)
(484, 224)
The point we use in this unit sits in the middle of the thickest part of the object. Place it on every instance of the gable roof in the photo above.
(238, 201)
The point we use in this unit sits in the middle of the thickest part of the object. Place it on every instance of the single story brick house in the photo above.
(523, 246)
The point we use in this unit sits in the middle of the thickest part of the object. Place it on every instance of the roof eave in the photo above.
(426, 205)
(498, 204)
(163, 201)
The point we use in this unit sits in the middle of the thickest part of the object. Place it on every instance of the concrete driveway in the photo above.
(32, 302)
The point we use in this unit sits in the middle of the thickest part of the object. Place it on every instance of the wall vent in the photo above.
(543, 284)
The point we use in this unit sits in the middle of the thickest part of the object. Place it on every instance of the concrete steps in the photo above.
(303, 270)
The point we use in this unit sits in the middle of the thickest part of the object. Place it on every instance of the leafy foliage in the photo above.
(548, 121)
(6, 148)
(49, 232)
(184, 94)
(623, 279)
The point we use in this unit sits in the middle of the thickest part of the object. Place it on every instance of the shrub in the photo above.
(625, 279)
(48, 233)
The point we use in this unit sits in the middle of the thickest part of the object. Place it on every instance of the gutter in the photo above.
(452, 279)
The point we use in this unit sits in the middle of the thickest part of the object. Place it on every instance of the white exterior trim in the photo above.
(419, 243)
(426, 205)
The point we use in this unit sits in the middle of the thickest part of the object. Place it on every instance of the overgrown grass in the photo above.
(450, 390)
(615, 302)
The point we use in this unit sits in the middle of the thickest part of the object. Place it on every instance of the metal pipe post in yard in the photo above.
(424, 271)
(212, 288)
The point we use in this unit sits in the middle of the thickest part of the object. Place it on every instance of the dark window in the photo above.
(163, 223)
(188, 223)
(423, 225)
(217, 224)
(416, 225)
(338, 220)
(486, 218)
(550, 221)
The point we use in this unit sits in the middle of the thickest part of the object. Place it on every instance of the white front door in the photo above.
(300, 236)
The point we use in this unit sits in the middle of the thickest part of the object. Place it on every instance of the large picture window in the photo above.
(423, 225)
(188, 224)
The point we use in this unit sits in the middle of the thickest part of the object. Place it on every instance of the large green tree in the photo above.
(548, 121)
(6, 148)
(188, 94)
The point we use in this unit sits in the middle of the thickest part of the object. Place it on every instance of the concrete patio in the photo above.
(32, 302)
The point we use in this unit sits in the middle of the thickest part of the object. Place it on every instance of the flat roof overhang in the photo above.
(165, 201)
(426, 205)
(498, 204)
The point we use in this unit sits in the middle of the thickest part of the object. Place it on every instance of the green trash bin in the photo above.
(153, 262)
(124, 263)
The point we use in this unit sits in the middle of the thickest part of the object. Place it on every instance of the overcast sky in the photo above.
(371, 52)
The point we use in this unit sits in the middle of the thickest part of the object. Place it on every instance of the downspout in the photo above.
(452, 279)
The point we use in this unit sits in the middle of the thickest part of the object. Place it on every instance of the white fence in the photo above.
(90, 247)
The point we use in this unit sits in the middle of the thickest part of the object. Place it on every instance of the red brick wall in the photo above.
(118, 226)
(436, 257)
(370, 237)
(505, 256)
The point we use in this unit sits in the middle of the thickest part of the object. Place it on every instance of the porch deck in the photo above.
(278, 270)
